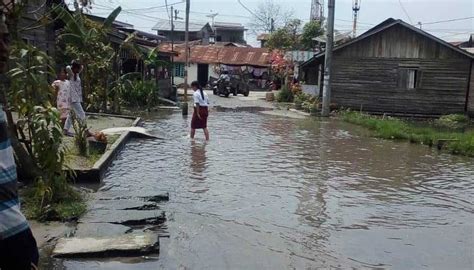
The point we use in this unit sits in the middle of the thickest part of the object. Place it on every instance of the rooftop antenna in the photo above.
(355, 8)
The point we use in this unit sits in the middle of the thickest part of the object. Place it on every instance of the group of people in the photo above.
(69, 95)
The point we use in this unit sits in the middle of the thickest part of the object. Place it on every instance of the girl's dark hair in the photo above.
(198, 86)
(75, 64)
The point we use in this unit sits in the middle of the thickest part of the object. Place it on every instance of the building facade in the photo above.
(396, 68)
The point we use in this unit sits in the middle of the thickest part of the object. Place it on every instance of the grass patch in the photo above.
(70, 207)
(455, 141)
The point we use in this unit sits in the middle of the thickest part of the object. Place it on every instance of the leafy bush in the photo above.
(139, 93)
(452, 121)
(38, 126)
(285, 95)
(80, 136)
(307, 102)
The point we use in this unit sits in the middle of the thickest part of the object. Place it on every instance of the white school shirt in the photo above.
(199, 100)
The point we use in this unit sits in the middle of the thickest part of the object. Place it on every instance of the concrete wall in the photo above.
(192, 75)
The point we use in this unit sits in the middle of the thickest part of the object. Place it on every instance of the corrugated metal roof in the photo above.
(229, 26)
(237, 56)
(165, 25)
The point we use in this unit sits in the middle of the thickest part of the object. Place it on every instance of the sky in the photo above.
(143, 14)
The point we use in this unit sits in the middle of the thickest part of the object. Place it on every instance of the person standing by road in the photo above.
(76, 95)
(63, 100)
(201, 110)
(18, 249)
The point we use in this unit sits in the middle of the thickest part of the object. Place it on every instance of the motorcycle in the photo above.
(221, 88)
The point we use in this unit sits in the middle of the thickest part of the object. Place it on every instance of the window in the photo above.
(179, 70)
(409, 78)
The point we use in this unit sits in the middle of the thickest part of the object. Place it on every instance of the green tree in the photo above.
(281, 39)
(311, 30)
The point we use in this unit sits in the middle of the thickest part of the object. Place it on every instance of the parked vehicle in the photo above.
(239, 86)
(235, 86)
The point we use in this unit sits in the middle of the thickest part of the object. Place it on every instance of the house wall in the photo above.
(368, 74)
(192, 75)
(33, 33)
(230, 36)
(373, 85)
(399, 42)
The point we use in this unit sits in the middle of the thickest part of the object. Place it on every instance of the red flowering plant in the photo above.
(282, 67)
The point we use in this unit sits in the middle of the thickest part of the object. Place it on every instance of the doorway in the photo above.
(203, 74)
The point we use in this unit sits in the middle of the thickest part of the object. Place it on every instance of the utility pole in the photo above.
(186, 47)
(355, 8)
(328, 61)
(213, 16)
(172, 46)
(272, 25)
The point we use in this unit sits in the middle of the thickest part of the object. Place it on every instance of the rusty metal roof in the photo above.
(237, 56)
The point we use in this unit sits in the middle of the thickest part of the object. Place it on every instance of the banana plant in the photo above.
(88, 42)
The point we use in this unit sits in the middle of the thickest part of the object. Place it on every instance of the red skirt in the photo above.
(197, 123)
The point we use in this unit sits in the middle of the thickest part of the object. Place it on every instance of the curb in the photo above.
(97, 172)
(300, 112)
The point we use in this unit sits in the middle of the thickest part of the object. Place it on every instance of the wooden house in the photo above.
(396, 68)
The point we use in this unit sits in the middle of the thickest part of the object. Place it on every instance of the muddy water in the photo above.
(277, 193)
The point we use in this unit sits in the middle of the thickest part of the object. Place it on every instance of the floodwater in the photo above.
(278, 193)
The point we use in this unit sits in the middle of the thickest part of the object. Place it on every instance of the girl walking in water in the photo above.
(201, 110)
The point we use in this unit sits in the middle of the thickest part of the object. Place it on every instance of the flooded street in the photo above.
(278, 193)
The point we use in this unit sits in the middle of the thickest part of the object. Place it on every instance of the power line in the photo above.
(404, 10)
(450, 20)
(250, 11)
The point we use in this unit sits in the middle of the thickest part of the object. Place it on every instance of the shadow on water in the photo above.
(277, 193)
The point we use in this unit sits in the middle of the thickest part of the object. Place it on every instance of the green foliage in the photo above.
(87, 41)
(70, 206)
(38, 124)
(285, 95)
(281, 39)
(291, 38)
(307, 102)
(140, 93)
(311, 30)
(80, 136)
(392, 128)
(452, 121)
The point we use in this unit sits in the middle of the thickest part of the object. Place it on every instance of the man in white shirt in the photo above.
(224, 77)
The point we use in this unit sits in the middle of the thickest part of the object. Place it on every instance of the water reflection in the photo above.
(198, 159)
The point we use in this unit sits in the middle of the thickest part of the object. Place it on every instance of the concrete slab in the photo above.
(47, 232)
(125, 217)
(121, 205)
(100, 230)
(125, 245)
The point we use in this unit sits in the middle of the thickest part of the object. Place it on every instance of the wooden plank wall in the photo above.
(470, 105)
(372, 84)
(399, 42)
